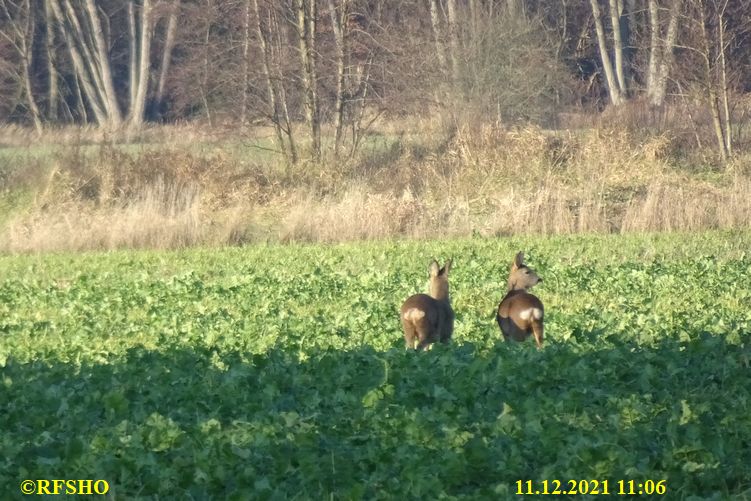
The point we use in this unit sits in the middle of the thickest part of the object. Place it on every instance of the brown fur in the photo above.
(521, 314)
(429, 318)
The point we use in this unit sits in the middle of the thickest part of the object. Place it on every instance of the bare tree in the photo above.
(298, 63)
(359, 99)
(245, 63)
(453, 36)
(140, 64)
(721, 9)
(338, 22)
(661, 50)
(274, 88)
(435, 24)
(708, 19)
(91, 39)
(97, 48)
(711, 86)
(616, 14)
(169, 47)
(514, 8)
(89, 56)
(355, 55)
(307, 16)
(19, 32)
(613, 75)
(206, 68)
(53, 85)
(279, 44)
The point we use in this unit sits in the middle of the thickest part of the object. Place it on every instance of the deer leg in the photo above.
(505, 327)
(409, 335)
(537, 330)
(425, 338)
(445, 336)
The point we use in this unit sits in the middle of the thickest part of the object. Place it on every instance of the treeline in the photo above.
(343, 63)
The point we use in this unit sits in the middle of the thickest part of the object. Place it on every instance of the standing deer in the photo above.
(429, 318)
(520, 313)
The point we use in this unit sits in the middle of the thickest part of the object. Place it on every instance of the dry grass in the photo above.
(484, 180)
(158, 216)
(175, 134)
(546, 211)
(689, 206)
(355, 215)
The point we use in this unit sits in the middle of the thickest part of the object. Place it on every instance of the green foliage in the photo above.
(278, 372)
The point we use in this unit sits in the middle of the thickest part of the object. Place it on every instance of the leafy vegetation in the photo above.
(278, 372)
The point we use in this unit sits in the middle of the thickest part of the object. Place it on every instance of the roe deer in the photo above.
(520, 313)
(429, 318)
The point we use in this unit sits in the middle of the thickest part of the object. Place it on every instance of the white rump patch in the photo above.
(413, 314)
(535, 313)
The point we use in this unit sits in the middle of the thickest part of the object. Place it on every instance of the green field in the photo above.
(279, 372)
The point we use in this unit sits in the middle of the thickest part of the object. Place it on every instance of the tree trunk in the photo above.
(203, 87)
(316, 125)
(138, 106)
(666, 61)
(473, 19)
(338, 23)
(169, 45)
(103, 64)
(270, 88)
(453, 30)
(655, 48)
(661, 52)
(616, 8)
(724, 80)
(89, 55)
(21, 37)
(514, 8)
(306, 26)
(359, 113)
(33, 107)
(712, 100)
(282, 92)
(616, 97)
(87, 84)
(52, 79)
(132, 53)
(245, 64)
(435, 24)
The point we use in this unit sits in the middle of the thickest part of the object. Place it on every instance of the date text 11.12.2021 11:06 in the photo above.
(594, 487)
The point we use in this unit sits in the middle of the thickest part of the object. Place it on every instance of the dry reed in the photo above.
(487, 180)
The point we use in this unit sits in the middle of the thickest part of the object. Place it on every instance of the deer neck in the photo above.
(512, 285)
(440, 293)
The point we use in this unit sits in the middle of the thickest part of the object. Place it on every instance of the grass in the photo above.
(278, 371)
(420, 183)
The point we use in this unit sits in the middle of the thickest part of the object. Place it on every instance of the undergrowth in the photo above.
(484, 180)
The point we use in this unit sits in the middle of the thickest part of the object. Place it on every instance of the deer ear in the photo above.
(519, 260)
(446, 268)
(434, 269)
